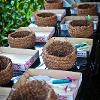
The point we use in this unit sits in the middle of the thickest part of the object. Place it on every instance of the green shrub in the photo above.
(16, 13)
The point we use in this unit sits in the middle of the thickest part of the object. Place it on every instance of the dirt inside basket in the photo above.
(79, 23)
(84, 6)
(3, 63)
(45, 15)
(59, 49)
(20, 34)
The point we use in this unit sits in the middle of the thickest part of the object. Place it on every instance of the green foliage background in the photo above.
(16, 13)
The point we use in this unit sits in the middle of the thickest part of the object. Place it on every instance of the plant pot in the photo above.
(33, 90)
(87, 9)
(6, 70)
(59, 55)
(80, 28)
(54, 4)
(45, 19)
(21, 39)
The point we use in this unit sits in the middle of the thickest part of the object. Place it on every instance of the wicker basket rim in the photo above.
(54, 1)
(85, 6)
(60, 57)
(26, 29)
(73, 49)
(9, 63)
(14, 33)
(51, 14)
(88, 23)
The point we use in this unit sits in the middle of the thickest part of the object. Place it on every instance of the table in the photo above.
(90, 84)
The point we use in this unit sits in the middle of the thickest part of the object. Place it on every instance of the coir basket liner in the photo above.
(21, 39)
(59, 55)
(6, 70)
(45, 19)
(33, 90)
(54, 4)
(80, 28)
(87, 9)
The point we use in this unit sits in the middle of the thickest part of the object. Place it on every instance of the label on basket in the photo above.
(82, 54)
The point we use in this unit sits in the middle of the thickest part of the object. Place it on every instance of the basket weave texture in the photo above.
(80, 28)
(6, 70)
(59, 55)
(33, 90)
(21, 39)
(45, 19)
(87, 9)
(54, 4)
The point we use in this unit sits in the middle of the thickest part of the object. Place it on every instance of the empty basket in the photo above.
(54, 4)
(21, 39)
(59, 55)
(45, 19)
(80, 28)
(87, 9)
(6, 70)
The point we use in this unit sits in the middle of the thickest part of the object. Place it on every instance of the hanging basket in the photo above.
(59, 55)
(54, 4)
(45, 19)
(6, 70)
(33, 90)
(80, 28)
(87, 9)
(21, 39)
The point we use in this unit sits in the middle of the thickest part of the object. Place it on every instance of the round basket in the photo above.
(45, 19)
(87, 9)
(59, 55)
(21, 39)
(80, 28)
(6, 70)
(33, 90)
(54, 4)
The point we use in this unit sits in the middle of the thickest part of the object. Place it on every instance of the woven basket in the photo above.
(6, 70)
(45, 19)
(59, 55)
(54, 4)
(33, 90)
(21, 39)
(87, 9)
(80, 28)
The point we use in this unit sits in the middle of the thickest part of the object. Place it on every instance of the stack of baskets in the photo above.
(33, 90)
(21, 39)
(54, 4)
(59, 54)
(6, 70)
(45, 19)
(80, 28)
(87, 9)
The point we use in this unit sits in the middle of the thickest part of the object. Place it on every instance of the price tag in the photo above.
(82, 54)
